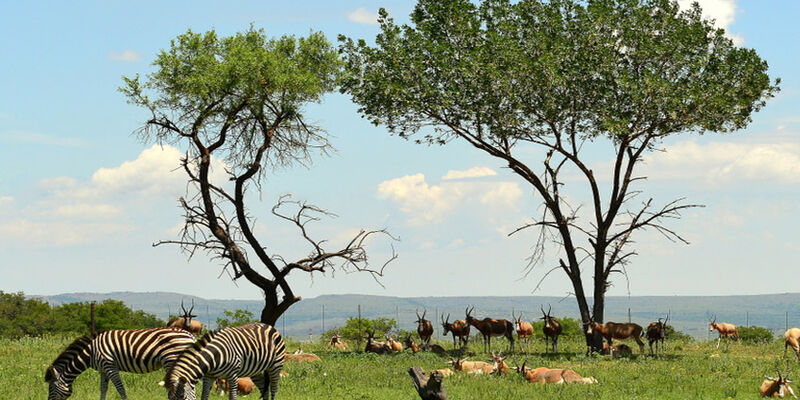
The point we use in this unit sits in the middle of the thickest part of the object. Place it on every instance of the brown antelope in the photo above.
(299, 356)
(444, 371)
(656, 331)
(409, 343)
(547, 375)
(792, 339)
(620, 331)
(336, 341)
(724, 329)
(375, 347)
(185, 321)
(459, 329)
(424, 329)
(551, 329)
(524, 330)
(617, 350)
(393, 345)
(244, 386)
(471, 367)
(777, 387)
(499, 365)
(492, 327)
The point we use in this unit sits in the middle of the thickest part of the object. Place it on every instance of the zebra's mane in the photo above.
(68, 355)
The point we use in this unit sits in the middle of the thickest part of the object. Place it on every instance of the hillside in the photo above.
(689, 313)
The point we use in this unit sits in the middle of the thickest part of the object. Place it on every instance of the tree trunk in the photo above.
(429, 388)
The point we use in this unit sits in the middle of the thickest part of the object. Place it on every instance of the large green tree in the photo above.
(239, 100)
(555, 76)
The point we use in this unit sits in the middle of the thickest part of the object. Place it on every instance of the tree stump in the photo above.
(429, 388)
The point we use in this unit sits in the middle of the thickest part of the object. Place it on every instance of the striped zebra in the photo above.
(109, 352)
(255, 350)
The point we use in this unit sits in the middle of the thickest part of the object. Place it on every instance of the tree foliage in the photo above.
(350, 331)
(548, 78)
(235, 318)
(755, 334)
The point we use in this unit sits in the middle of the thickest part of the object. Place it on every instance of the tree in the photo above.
(554, 77)
(239, 100)
(235, 318)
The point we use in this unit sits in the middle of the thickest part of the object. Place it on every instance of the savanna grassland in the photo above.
(688, 370)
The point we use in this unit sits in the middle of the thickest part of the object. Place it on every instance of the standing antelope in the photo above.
(792, 338)
(620, 331)
(724, 329)
(524, 330)
(424, 329)
(777, 387)
(657, 331)
(459, 328)
(185, 321)
(551, 329)
(547, 375)
(492, 327)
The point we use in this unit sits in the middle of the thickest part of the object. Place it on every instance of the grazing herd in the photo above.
(237, 359)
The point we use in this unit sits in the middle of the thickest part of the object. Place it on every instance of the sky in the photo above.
(82, 199)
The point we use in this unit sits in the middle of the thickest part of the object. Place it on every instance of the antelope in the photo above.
(424, 329)
(617, 350)
(499, 365)
(471, 367)
(409, 343)
(492, 327)
(299, 356)
(444, 371)
(459, 328)
(551, 329)
(336, 341)
(375, 347)
(657, 331)
(724, 329)
(792, 339)
(524, 330)
(393, 345)
(547, 375)
(243, 384)
(185, 321)
(613, 330)
(777, 387)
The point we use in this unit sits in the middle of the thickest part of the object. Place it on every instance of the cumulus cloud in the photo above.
(723, 162)
(723, 12)
(474, 172)
(363, 16)
(124, 56)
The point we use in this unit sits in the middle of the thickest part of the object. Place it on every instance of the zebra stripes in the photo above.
(138, 351)
(255, 350)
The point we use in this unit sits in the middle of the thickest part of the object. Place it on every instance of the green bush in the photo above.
(350, 331)
(755, 334)
(673, 334)
(235, 318)
(570, 327)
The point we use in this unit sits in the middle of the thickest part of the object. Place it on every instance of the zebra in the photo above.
(109, 352)
(256, 350)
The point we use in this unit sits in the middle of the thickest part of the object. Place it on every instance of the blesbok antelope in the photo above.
(619, 331)
(375, 347)
(244, 386)
(459, 329)
(185, 321)
(617, 350)
(777, 387)
(409, 343)
(424, 328)
(492, 327)
(471, 367)
(336, 341)
(724, 329)
(524, 330)
(499, 365)
(551, 329)
(556, 375)
(299, 356)
(792, 339)
(393, 345)
(656, 331)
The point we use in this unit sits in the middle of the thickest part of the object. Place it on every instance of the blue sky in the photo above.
(81, 199)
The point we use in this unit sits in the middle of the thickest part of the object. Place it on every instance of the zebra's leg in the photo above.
(207, 384)
(113, 373)
(233, 387)
(274, 377)
(260, 381)
(103, 385)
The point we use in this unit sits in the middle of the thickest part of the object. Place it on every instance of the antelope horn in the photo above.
(668, 312)
(549, 308)
(424, 311)
(417, 311)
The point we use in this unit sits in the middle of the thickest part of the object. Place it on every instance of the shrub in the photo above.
(755, 334)
(235, 318)
(350, 331)
(673, 334)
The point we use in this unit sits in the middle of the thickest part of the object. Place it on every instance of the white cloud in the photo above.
(363, 16)
(723, 12)
(125, 56)
(39, 138)
(722, 162)
(474, 172)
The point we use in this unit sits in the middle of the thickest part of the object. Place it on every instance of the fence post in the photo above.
(629, 315)
(787, 320)
(359, 326)
(747, 318)
(94, 332)
(323, 319)
(435, 321)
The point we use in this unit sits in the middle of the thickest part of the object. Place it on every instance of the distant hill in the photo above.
(689, 313)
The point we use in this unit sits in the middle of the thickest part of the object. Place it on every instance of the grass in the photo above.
(688, 370)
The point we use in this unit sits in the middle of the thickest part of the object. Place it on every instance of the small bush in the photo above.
(755, 334)
(350, 331)
(673, 334)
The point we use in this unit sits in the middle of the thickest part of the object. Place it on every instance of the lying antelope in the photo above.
(724, 329)
(492, 327)
(524, 330)
(617, 350)
(393, 345)
(619, 331)
(471, 367)
(459, 329)
(656, 331)
(547, 375)
(336, 341)
(375, 347)
(792, 338)
(499, 365)
(424, 329)
(300, 356)
(244, 386)
(777, 387)
(551, 329)
(410, 344)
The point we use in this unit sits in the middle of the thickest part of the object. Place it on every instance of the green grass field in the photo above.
(688, 370)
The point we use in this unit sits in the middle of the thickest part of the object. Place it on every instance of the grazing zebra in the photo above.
(255, 350)
(139, 351)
